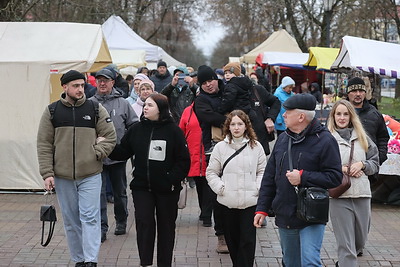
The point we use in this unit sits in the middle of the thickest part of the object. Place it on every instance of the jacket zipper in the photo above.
(73, 144)
(148, 161)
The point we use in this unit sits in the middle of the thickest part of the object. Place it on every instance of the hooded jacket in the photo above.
(69, 149)
(192, 131)
(316, 92)
(316, 152)
(161, 159)
(236, 95)
(282, 96)
(121, 113)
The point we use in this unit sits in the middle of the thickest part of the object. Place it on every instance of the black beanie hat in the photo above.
(71, 75)
(205, 73)
(161, 63)
(300, 101)
(356, 83)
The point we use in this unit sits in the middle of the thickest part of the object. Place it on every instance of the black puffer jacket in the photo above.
(316, 152)
(236, 95)
(205, 107)
(375, 126)
(162, 158)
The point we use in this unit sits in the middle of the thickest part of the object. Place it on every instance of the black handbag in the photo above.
(47, 214)
(312, 202)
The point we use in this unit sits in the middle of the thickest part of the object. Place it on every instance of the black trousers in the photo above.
(117, 174)
(205, 197)
(240, 235)
(165, 208)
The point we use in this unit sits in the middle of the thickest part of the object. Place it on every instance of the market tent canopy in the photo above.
(26, 64)
(285, 59)
(321, 57)
(279, 41)
(120, 36)
(126, 58)
(369, 55)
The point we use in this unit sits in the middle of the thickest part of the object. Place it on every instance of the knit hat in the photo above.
(205, 73)
(233, 67)
(161, 63)
(300, 101)
(71, 75)
(140, 76)
(355, 83)
(182, 69)
(107, 73)
(287, 81)
(147, 81)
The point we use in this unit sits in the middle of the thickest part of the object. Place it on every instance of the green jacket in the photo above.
(68, 148)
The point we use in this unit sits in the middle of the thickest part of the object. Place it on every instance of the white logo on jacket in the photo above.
(157, 150)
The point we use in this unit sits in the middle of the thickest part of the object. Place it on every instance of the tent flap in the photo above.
(321, 57)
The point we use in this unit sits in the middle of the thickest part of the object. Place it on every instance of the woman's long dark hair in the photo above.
(163, 107)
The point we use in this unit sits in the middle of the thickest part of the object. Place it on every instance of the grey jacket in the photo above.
(121, 113)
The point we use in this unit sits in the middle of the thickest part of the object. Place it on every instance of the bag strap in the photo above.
(259, 100)
(51, 231)
(289, 152)
(351, 157)
(231, 157)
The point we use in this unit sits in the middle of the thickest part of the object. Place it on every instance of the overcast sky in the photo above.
(208, 35)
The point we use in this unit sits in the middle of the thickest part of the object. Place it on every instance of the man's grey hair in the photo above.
(310, 114)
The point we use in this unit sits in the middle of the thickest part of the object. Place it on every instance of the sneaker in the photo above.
(192, 183)
(110, 199)
(80, 264)
(120, 229)
(103, 238)
(222, 247)
(91, 264)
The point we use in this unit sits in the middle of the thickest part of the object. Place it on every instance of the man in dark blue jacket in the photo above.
(316, 162)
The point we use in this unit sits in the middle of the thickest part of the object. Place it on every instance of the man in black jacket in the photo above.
(162, 77)
(370, 117)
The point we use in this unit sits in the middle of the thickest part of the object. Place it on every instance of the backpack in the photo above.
(53, 106)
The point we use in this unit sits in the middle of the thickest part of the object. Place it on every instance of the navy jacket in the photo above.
(316, 152)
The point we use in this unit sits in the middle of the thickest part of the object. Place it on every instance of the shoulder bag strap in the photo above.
(51, 231)
(259, 100)
(231, 157)
(351, 157)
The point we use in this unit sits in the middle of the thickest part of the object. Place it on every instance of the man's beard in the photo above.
(74, 98)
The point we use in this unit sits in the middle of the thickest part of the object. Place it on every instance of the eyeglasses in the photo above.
(103, 80)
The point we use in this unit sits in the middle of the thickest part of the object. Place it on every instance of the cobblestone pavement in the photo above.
(20, 232)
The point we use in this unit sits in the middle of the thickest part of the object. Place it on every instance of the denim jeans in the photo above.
(302, 247)
(79, 201)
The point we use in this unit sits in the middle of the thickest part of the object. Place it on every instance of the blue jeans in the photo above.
(79, 201)
(302, 247)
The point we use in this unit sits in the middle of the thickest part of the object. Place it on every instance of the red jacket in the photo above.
(192, 131)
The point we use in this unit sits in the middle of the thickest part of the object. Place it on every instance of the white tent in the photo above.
(28, 59)
(285, 59)
(126, 58)
(120, 36)
(369, 55)
(279, 41)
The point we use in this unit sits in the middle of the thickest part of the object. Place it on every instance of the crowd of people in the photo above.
(212, 127)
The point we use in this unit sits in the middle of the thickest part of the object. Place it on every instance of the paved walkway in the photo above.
(195, 245)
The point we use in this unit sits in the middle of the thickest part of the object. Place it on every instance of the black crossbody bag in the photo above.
(47, 214)
(312, 202)
(231, 157)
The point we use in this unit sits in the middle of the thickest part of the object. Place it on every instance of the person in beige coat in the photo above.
(237, 184)
(351, 212)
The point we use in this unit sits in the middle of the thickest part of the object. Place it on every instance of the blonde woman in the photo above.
(237, 185)
(351, 212)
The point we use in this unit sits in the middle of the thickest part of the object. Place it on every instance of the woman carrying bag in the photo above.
(234, 173)
(351, 212)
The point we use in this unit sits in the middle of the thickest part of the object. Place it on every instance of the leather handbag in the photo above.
(183, 195)
(312, 202)
(47, 214)
(216, 134)
(346, 181)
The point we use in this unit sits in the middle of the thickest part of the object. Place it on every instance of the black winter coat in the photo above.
(179, 99)
(160, 81)
(162, 158)
(316, 152)
(375, 126)
(236, 95)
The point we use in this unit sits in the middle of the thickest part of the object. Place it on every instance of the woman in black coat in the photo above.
(161, 162)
